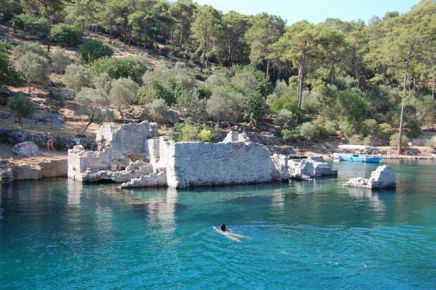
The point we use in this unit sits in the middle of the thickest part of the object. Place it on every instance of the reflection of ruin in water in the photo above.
(364, 193)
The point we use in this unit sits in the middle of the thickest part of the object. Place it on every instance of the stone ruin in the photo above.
(135, 156)
(381, 178)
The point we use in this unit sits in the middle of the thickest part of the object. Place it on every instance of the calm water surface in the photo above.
(62, 235)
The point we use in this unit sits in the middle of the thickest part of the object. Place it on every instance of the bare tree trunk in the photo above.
(400, 131)
(300, 84)
(49, 29)
(88, 124)
(405, 89)
(267, 69)
(432, 88)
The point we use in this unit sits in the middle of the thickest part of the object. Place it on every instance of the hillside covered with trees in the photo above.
(373, 83)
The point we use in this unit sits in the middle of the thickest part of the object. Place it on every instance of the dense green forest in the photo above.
(310, 80)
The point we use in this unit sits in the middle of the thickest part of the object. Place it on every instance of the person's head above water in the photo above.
(223, 227)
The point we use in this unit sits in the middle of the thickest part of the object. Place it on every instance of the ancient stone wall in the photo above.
(199, 164)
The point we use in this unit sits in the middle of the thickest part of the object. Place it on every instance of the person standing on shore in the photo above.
(50, 145)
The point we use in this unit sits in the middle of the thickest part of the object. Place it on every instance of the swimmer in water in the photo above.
(224, 231)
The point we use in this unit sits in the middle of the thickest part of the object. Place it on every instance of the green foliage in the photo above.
(225, 105)
(91, 102)
(21, 106)
(8, 74)
(102, 83)
(171, 84)
(122, 93)
(369, 127)
(33, 67)
(67, 34)
(76, 77)
(34, 47)
(385, 131)
(206, 29)
(59, 60)
(190, 131)
(55, 102)
(117, 67)
(92, 50)
(431, 142)
(291, 135)
(31, 25)
(309, 131)
(157, 110)
(153, 90)
(393, 141)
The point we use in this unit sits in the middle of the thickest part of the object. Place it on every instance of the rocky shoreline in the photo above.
(135, 156)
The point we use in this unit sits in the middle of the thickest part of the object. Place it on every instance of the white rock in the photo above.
(233, 136)
(26, 149)
(281, 167)
(310, 168)
(382, 177)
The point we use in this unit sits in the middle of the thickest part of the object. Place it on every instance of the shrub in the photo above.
(190, 131)
(186, 131)
(224, 105)
(393, 141)
(285, 119)
(76, 77)
(370, 127)
(8, 75)
(34, 47)
(291, 135)
(431, 142)
(153, 90)
(122, 93)
(103, 83)
(356, 140)
(67, 34)
(36, 26)
(385, 131)
(21, 106)
(91, 101)
(59, 60)
(33, 67)
(55, 102)
(92, 50)
(157, 110)
(309, 131)
(206, 135)
(117, 67)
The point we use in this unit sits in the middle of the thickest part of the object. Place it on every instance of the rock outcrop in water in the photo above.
(310, 168)
(381, 178)
(134, 156)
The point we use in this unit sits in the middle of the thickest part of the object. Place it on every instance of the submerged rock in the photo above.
(26, 149)
(381, 178)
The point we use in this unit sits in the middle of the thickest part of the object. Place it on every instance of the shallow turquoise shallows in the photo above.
(61, 235)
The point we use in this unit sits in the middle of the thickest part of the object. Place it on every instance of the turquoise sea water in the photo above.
(60, 234)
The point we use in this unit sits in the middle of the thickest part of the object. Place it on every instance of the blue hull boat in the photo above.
(359, 158)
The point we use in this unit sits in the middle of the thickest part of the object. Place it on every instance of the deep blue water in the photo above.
(60, 234)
